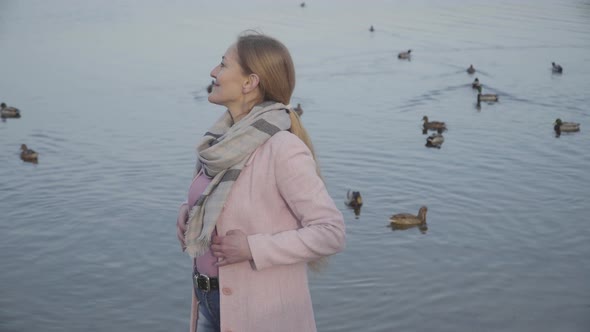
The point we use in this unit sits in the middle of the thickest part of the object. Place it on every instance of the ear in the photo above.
(251, 83)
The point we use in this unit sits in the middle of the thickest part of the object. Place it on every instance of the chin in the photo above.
(212, 100)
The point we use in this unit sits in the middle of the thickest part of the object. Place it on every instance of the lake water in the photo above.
(113, 98)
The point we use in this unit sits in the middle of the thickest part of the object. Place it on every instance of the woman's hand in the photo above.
(231, 248)
(181, 222)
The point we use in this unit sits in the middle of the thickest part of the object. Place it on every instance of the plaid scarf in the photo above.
(222, 153)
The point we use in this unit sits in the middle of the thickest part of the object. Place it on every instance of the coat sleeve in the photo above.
(321, 232)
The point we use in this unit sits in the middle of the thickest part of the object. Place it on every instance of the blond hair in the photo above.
(271, 61)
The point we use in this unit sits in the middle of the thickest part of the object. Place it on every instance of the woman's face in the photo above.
(229, 79)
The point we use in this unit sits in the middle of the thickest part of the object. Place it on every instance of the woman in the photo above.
(258, 211)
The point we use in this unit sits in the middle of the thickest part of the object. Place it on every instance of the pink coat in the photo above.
(284, 207)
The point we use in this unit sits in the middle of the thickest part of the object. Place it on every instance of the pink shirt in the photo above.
(205, 263)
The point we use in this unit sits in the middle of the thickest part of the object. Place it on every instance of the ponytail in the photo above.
(298, 130)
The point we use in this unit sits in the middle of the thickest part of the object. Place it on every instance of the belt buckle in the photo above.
(206, 279)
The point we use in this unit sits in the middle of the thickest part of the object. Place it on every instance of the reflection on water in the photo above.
(356, 211)
(421, 227)
(115, 99)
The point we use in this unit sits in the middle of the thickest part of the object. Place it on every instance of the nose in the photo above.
(214, 72)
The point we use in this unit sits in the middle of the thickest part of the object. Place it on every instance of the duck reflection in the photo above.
(423, 228)
(354, 201)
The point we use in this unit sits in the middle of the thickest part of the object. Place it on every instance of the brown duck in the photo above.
(410, 219)
(28, 154)
(9, 111)
(433, 125)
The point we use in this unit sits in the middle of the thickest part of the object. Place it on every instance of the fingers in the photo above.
(182, 218)
(216, 239)
(231, 248)
(217, 253)
(183, 210)
(223, 262)
(220, 246)
(184, 206)
(181, 224)
(216, 249)
(234, 232)
(180, 235)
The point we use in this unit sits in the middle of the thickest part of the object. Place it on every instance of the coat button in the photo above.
(226, 291)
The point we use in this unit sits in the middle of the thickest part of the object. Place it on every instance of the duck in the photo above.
(433, 125)
(298, 110)
(569, 127)
(485, 97)
(354, 199)
(471, 70)
(404, 55)
(210, 87)
(475, 83)
(556, 68)
(435, 140)
(9, 111)
(371, 29)
(28, 154)
(409, 219)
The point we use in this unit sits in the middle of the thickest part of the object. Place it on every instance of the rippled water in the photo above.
(112, 97)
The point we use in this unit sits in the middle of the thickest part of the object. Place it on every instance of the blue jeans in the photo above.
(209, 320)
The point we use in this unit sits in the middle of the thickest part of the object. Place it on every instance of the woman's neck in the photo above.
(238, 117)
(239, 112)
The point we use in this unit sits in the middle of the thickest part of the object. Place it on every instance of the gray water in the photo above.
(113, 98)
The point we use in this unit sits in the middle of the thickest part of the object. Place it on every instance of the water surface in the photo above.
(113, 99)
